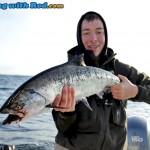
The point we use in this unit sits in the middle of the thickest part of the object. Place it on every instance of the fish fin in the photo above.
(82, 63)
(100, 95)
(106, 90)
(51, 106)
(84, 100)
(77, 60)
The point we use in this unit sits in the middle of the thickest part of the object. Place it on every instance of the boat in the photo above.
(138, 133)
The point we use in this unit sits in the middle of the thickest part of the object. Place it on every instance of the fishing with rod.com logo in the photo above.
(31, 5)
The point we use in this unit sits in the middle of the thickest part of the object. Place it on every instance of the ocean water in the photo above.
(39, 132)
(36, 133)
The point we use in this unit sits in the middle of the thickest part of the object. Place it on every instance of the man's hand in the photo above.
(124, 90)
(66, 100)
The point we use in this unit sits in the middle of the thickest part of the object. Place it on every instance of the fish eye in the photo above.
(18, 107)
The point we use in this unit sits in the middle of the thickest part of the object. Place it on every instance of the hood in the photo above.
(90, 54)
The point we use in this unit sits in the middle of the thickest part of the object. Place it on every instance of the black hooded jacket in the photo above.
(104, 128)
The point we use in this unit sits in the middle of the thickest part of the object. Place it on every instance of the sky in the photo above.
(32, 40)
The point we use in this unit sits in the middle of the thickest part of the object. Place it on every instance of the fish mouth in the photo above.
(12, 119)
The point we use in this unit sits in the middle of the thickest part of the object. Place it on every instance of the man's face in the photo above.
(92, 35)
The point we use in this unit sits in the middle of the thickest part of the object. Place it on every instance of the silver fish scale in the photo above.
(85, 79)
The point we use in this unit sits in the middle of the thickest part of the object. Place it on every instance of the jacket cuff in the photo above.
(139, 95)
(66, 115)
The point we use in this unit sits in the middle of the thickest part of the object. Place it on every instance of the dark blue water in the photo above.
(39, 132)
(36, 133)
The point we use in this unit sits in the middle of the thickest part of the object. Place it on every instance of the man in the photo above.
(104, 128)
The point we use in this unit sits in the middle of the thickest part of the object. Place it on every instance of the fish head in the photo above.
(12, 105)
(24, 103)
